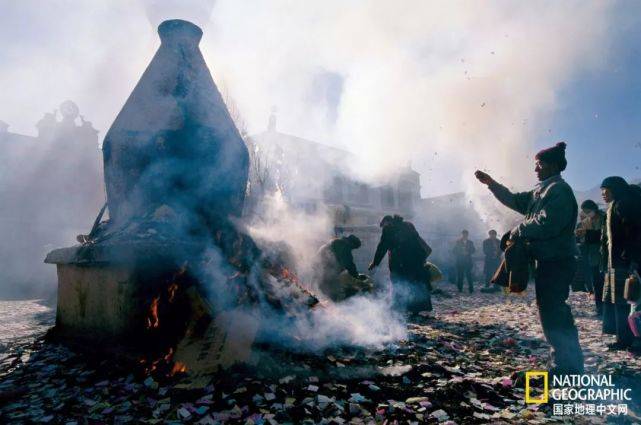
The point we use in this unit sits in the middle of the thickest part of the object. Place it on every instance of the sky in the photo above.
(448, 86)
(600, 110)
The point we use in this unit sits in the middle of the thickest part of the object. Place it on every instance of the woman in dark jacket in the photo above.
(621, 249)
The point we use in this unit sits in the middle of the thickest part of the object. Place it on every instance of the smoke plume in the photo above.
(364, 321)
(450, 86)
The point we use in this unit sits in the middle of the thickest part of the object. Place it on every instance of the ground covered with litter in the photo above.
(459, 367)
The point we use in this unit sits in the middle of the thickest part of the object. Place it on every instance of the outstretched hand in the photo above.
(483, 177)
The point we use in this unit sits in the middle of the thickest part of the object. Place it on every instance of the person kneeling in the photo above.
(335, 271)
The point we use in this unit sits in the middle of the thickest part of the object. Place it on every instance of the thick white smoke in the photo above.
(471, 82)
(467, 80)
(451, 86)
(365, 321)
(302, 233)
(362, 321)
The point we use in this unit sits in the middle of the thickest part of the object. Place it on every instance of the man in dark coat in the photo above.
(492, 252)
(407, 254)
(463, 251)
(334, 258)
(551, 214)
(621, 249)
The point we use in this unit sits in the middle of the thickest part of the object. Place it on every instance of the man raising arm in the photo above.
(550, 212)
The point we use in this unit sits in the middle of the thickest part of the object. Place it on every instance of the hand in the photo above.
(580, 232)
(371, 266)
(483, 177)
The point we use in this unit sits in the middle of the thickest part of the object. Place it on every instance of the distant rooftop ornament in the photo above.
(69, 110)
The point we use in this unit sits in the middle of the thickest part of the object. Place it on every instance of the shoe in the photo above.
(618, 346)
(471, 290)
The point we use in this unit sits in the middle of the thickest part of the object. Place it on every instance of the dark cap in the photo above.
(554, 155)
(617, 185)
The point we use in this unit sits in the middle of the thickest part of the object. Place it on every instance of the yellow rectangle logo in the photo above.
(533, 374)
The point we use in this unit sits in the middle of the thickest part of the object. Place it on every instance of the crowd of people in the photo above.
(603, 249)
(610, 248)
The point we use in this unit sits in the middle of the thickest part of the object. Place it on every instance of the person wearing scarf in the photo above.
(551, 213)
(621, 251)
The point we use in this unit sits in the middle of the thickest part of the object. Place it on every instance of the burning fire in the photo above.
(284, 274)
(163, 363)
(289, 275)
(152, 318)
(178, 368)
(153, 321)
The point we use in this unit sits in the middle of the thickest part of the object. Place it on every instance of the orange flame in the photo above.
(178, 368)
(289, 275)
(152, 318)
(152, 366)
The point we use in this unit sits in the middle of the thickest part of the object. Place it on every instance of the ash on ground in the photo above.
(460, 367)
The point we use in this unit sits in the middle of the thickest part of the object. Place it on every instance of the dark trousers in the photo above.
(597, 282)
(489, 269)
(615, 322)
(552, 283)
(464, 271)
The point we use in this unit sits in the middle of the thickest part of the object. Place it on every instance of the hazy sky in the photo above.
(450, 86)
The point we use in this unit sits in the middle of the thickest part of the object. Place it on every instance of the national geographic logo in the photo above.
(577, 394)
(528, 389)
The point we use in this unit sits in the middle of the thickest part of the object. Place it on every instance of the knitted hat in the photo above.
(554, 155)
